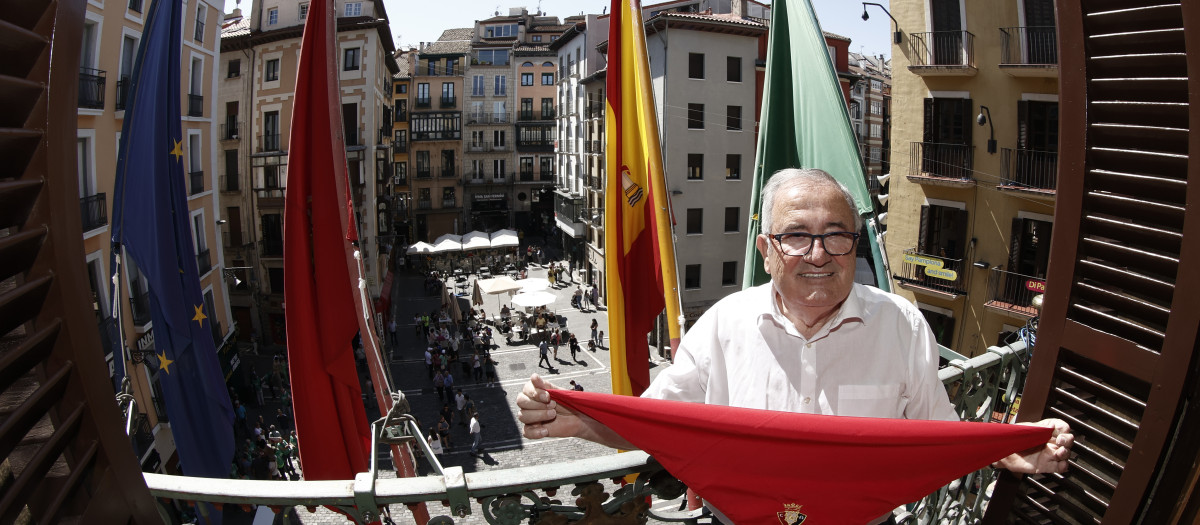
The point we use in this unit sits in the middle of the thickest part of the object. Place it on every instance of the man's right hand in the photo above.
(544, 417)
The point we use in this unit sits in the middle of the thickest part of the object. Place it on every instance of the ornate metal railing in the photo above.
(982, 388)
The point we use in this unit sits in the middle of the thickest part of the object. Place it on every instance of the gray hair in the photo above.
(798, 177)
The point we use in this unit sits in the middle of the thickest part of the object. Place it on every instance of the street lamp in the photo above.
(898, 35)
(981, 119)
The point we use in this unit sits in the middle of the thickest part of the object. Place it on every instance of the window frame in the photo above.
(691, 282)
(695, 166)
(351, 59)
(694, 221)
(696, 66)
(695, 117)
(733, 122)
(733, 69)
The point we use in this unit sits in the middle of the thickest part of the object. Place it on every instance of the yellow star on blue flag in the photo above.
(200, 317)
(165, 363)
(177, 151)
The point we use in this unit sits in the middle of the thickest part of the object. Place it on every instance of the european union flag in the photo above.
(151, 219)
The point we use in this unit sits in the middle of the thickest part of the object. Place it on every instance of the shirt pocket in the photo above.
(870, 401)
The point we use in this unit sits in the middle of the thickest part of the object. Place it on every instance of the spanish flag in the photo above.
(638, 248)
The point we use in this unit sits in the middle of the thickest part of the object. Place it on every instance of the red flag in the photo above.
(331, 422)
(763, 466)
(638, 248)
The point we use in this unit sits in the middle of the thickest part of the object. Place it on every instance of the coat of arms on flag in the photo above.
(790, 515)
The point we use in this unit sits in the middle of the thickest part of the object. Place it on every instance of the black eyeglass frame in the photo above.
(812, 239)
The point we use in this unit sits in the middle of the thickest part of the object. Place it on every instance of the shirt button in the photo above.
(807, 400)
(807, 345)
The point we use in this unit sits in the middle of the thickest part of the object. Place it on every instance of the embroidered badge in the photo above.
(791, 515)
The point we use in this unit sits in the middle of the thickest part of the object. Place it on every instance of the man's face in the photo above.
(817, 280)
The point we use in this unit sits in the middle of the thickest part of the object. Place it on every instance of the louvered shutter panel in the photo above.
(930, 121)
(1116, 343)
(923, 233)
(968, 121)
(1014, 245)
(1023, 124)
(66, 456)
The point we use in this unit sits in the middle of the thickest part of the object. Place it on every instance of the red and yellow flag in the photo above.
(638, 248)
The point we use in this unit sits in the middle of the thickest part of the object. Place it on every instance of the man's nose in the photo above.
(817, 254)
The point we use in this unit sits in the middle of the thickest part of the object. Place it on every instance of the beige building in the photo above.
(974, 160)
(112, 32)
(259, 58)
(435, 129)
(400, 199)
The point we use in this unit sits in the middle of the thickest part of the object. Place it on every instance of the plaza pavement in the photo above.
(504, 446)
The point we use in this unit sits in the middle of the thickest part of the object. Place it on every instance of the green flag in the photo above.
(804, 124)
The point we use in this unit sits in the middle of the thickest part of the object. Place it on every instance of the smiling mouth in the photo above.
(814, 275)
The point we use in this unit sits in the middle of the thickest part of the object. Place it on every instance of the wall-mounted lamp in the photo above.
(898, 35)
(676, 192)
(981, 119)
(882, 218)
(983, 265)
(221, 222)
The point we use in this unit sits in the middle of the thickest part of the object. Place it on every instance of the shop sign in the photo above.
(1035, 285)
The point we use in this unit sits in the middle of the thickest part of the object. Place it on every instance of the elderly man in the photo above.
(810, 341)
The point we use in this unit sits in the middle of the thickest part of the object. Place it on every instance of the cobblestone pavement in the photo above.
(504, 446)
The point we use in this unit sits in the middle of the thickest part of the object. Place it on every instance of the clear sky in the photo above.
(416, 21)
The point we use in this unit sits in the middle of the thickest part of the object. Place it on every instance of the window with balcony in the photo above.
(546, 168)
(449, 199)
(270, 137)
(691, 276)
(526, 168)
(733, 69)
(139, 292)
(695, 116)
(695, 221)
(350, 59)
(1033, 165)
(936, 263)
(195, 165)
(196, 89)
(1028, 258)
(733, 118)
(695, 166)
(232, 173)
(449, 164)
(424, 171)
(547, 108)
(445, 125)
(526, 112)
(490, 57)
(732, 219)
(946, 150)
(423, 100)
(729, 273)
(448, 98)
(271, 73)
(203, 261)
(696, 65)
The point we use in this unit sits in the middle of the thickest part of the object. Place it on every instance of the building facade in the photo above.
(400, 190)
(111, 36)
(259, 59)
(436, 133)
(971, 204)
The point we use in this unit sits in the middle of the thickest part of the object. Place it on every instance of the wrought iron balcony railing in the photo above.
(981, 388)
(941, 274)
(448, 101)
(91, 88)
(231, 182)
(1029, 46)
(1014, 292)
(203, 262)
(122, 92)
(230, 130)
(939, 160)
(195, 105)
(269, 142)
(196, 182)
(93, 209)
(271, 247)
(139, 306)
(1030, 170)
(947, 49)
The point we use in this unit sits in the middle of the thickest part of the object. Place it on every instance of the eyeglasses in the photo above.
(798, 244)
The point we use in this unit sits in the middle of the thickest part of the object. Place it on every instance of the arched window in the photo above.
(547, 64)
(527, 64)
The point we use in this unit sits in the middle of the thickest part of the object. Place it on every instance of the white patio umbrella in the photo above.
(420, 247)
(448, 243)
(532, 299)
(476, 241)
(533, 284)
(496, 286)
(503, 238)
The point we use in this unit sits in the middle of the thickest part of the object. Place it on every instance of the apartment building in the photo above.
(436, 134)
(708, 98)
(259, 57)
(400, 192)
(579, 198)
(870, 114)
(971, 204)
(111, 36)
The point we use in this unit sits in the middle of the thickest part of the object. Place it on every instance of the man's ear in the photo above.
(762, 242)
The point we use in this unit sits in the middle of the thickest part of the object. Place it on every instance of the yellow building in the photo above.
(259, 58)
(974, 160)
(112, 33)
(401, 191)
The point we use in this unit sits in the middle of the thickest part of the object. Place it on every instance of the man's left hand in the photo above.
(1051, 457)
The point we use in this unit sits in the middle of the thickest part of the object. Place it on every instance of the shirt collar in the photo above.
(852, 310)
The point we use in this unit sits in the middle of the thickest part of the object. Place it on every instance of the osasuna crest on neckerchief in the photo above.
(790, 515)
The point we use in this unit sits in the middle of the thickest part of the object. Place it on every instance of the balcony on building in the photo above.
(231, 129)
(203, 262)
(135, 6)
(448, 101)
(525, 176)
(1013, 293)
(449, 203)
(93, 210)
(487, 117)
(424, 172)
(269, 142)
(231, 182)
(1029, 51)
(931, 274)
(424, 204)
(91, 88)
(270, 248)
(942, 53)
(139, 306)
(422, 102)
(447, 172)
(941, 164)
(526, 115)
(196, 182)
(355, 137)
(400, 146)
(594, 110)
(232, 240)
(195, 105)
(595, 182)
(535, 145)
(122, 92)
(546, 175)
(1029, 171)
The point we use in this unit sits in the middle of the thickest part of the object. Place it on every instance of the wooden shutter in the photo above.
(1116, 347)
(923, 233)
(930, 121)
(1023, 124)
(65, 455)
(1014, 245)
(968, 122)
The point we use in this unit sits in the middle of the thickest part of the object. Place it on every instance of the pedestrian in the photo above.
(550, 276)
(447, 413)
(443, 432)
(574, 344)
(476, 435)
(429, 361)
(439, 384)
(282, 419)
(435, 443)
(460, 402)
(576, 386)
(556, 339)
(544, 351)
(477, 367)
(257, 384)
(392, 331)
(449, 380)
(595, 335)
(489, 369)
(595, 299)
